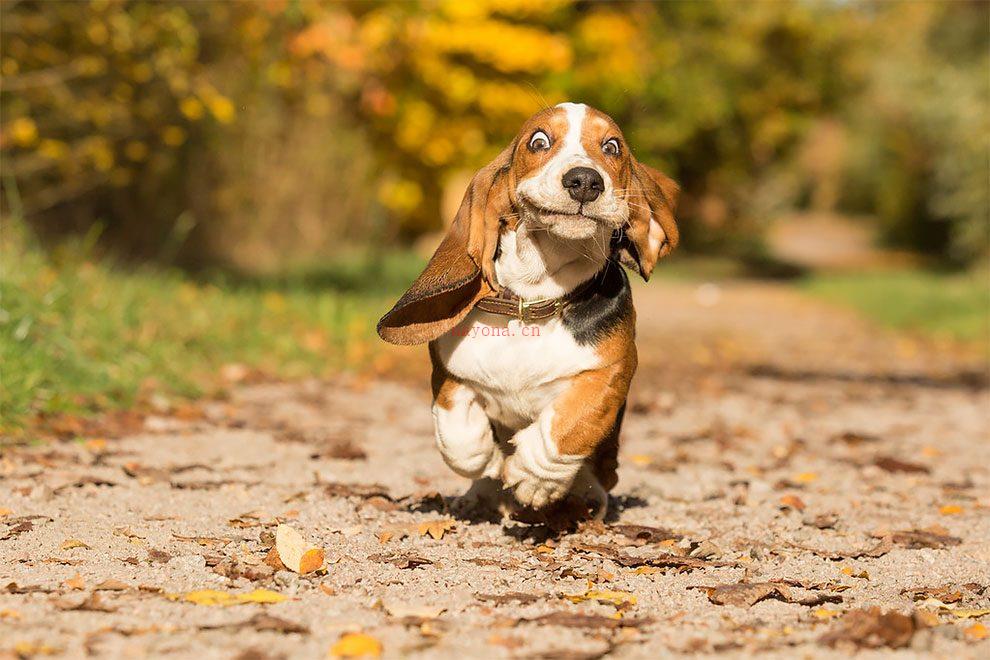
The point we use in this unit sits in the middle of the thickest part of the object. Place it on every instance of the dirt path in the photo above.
(770, 440)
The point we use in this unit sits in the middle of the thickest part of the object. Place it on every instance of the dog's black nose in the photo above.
(583, 184)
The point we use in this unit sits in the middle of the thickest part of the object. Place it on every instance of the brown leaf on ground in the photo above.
(344, 450)
(881, 548)
(402, 560)
(921, 538)
(91, 603)
(234, 568)
(14, 588)
(747, 594)
(511, 597)
(17, 529)
(855, 438)
(202, 540)
(946, 593)
(660, 560)
(822, 521)
(576, 620)
(112, 585)
(892, 464)
(644, 534)
(871, 628)
(273, 560)
(263, 623)
(69, 544)
(88, 480)
(158, 556)
(363, 491)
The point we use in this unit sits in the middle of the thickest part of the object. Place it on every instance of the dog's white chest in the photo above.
(517, 369)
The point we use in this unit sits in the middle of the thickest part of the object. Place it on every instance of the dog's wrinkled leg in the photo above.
(464, 434)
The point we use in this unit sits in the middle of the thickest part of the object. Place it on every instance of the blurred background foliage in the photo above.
(262, 135)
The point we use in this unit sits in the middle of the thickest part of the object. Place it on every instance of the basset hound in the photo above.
(528, 316)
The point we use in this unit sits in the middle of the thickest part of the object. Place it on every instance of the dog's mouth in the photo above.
(548, 215)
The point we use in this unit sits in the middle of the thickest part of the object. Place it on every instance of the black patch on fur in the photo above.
(606, 305)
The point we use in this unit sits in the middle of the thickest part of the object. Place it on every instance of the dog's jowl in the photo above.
(529, 316)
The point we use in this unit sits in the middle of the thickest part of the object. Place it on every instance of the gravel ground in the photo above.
(827, 466)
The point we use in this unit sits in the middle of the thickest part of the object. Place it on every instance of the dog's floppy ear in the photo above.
(462, 270)
(651, 232)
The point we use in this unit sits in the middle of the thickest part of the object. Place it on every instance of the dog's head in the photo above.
(568, 169)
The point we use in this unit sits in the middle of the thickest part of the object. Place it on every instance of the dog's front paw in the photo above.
(534, 490)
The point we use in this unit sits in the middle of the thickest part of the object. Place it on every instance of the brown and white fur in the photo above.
(538, 412)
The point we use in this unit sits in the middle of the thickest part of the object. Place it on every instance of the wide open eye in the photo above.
(539, 142)
(611, 147)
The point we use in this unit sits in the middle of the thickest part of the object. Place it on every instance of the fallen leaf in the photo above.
(402, 561)
(658, 560)
(69, 544)
(363, 491)
(224, 598)
(747, 594)
(822, 521)
(356, 645)
(950, 509)
(4, 512)
(618, 599)
(158, 556)
(575, 620)
(436, 528)
(10, 614)
(805, 477)
(825, 614)
(977, 632)
(295, 553)
(965, 613)
(112, 585)
(920, 538)
(644, 534)
(792, 502)
(891, 464)
(851, 572)
(871, 628)
(944, 594)
(511, 597)
(76, 582)
(272, 559)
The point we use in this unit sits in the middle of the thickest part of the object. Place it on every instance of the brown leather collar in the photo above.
(508, 303)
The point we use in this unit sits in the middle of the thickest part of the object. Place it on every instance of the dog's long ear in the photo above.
(651, 232)
(462, 270)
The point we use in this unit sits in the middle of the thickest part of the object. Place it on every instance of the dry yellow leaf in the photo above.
(977, 632)
(27, 649)
(647, 570)
(68, 544)
(950, 510)
(863, 575)
(4, 512)
(224, 598)
(964, 613)
(10, 614)
(616, 598)
(641, 460)
(436, 528)
(805, 477)
(356, 645)
(75, 583)
(295, 553)
(825, 614)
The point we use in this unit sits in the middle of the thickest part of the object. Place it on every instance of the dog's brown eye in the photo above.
(540, 141)
(611, 147)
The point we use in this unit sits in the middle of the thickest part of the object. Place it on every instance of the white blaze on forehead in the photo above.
(575, 123)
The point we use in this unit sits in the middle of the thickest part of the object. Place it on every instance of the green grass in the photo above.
(79, 334)
(953, 306)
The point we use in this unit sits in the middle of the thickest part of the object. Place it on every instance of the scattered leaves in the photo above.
(747, 594)
(356, 645)
(436, 528)
(295, 553)
(619, 599)
(945, 594)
